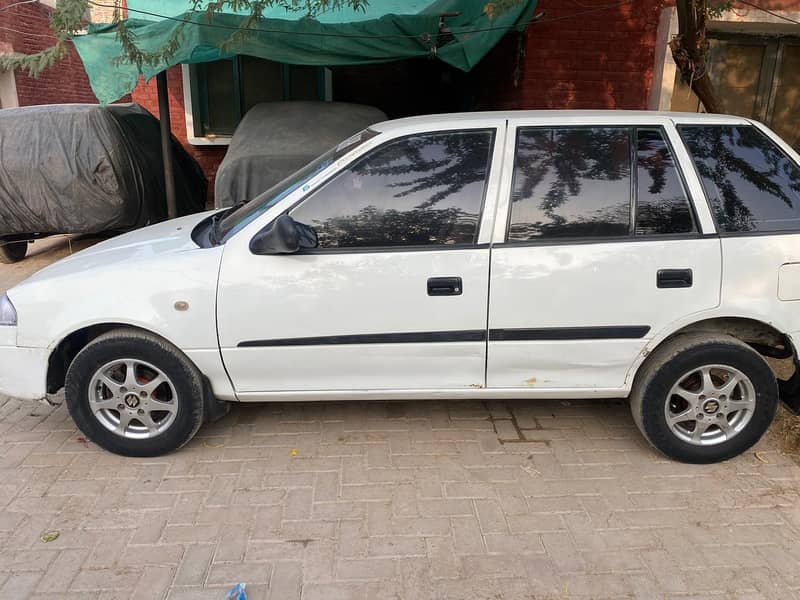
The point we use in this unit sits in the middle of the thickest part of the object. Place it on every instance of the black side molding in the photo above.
(569, 333)
(467, 335)
(421, 337)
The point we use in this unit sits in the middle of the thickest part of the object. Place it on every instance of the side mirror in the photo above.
(283, 236)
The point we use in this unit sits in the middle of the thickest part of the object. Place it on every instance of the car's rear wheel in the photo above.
(11, 252)
(703, 399)
(134, 394)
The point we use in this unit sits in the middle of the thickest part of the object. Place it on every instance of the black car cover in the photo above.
(275, 139)
(85, 168)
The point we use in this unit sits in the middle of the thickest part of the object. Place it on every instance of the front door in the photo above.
(600, 251)
(395, 297)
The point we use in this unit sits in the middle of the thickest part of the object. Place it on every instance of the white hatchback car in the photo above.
(487, 255)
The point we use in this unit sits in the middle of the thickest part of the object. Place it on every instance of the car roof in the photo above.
(632, 117)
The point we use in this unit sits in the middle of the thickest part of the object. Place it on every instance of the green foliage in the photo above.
(67, 19)
(253, 9)
(70, 17)
(714, 11)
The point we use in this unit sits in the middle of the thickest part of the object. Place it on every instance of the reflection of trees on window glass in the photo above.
(450, 162)
(661, 202)
(424, 189)
(374, 227)
(751, 184)
(555, 183)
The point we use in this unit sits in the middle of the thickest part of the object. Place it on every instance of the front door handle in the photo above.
(445, 286)
(674, 278)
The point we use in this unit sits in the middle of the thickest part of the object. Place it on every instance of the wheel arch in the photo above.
(763, 337)
(65, 351)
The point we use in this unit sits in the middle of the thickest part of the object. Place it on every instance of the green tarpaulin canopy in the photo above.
(336, 38)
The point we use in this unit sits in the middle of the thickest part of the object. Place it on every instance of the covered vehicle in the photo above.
(85, 168)
(275, 139)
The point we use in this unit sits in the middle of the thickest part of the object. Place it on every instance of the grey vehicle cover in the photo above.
(85, 168)
(275, 139)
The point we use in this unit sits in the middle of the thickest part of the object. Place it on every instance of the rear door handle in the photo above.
(674, 278)
(444, 286)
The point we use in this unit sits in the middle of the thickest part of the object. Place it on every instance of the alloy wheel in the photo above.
(710, 405)
(133, 399)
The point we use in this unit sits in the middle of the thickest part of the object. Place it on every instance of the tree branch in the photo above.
(690, 49)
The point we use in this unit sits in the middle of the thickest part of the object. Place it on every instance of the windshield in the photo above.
(234, 222)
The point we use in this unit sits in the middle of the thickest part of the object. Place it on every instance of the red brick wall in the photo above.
(577, 59)
(26, 28)
(146, 94)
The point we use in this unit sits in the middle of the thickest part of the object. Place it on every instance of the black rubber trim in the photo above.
(422, 337)
(467, 335)
(389, 249)
(569, 333)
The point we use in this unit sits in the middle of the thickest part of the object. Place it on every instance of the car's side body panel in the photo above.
(752, 278)
(352, 321)
(595, 306)
(130, 280)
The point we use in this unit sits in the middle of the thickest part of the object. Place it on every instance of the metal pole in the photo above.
(166, 144)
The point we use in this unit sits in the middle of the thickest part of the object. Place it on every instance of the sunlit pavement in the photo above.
(433, 500)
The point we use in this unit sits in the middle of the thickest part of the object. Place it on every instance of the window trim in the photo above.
(492, 129)
(8, 90)
(762, 130)
(634, 196)
(190, 99)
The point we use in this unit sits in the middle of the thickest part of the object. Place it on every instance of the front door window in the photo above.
(421, 190)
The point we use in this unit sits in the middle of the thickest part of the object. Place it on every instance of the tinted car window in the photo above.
(420, 190)
(571, 181)
(751, 184)
(235, 219)
(661, 202)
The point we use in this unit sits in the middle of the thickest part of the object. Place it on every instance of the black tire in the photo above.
(675, 358)
(11, 252)
(122, 344)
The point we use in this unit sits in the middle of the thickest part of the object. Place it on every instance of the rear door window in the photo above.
(752, 185)
(571, 182)
(662, 206)
(579, 182)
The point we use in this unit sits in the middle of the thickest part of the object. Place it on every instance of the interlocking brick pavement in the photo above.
(412, 500)
(431, 500)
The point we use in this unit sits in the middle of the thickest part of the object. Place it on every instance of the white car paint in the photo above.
(590, 285)
(235, 296)
(134, 279)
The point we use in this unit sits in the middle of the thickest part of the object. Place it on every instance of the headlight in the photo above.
(8, 314)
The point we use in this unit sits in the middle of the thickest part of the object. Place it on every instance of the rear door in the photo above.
(597, 247)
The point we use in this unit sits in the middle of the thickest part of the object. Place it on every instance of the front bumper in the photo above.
(23, 372)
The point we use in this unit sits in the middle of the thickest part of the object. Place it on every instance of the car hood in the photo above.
(168, 237)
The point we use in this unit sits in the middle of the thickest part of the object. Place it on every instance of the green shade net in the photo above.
(305, 41)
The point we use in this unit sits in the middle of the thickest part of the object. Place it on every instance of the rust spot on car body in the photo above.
(530, 381)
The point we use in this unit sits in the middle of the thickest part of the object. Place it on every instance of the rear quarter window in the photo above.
(752, 185)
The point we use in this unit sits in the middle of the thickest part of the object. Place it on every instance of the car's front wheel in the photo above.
(134, 394)
(704, 398)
